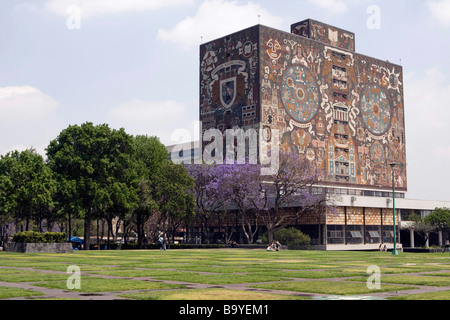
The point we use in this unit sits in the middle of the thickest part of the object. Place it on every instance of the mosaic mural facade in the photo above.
(229, 81)
(340, 110)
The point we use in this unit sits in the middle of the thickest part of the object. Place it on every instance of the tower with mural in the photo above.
(341, 110)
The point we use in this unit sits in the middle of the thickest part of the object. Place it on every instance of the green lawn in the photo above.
(9, 292)
(153, 272)
(329, 287)
(208, 294)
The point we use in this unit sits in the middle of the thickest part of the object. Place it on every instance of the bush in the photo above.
(37, 237)
(292, 237)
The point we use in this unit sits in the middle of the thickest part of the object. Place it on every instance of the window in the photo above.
(340, 84)
(341, 122)
(373, 234)
(388, 234)
(341, 150)
(354, 234)
(339, 95)
(343, 136)
(338, 55)
(335, 234)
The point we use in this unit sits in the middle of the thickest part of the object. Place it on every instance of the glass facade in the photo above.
(358, 234)
(388, 234)
(335, 235)
(372, 234)
(354, 234)
(357, 192)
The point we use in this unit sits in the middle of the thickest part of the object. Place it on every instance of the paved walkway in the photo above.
(72, 294)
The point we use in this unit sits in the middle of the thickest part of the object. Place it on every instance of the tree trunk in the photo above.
(87, 229)
(140, 233)
(69, 227)
(270, 232)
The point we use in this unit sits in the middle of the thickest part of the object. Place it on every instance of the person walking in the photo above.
(161, 242)
(446, 247)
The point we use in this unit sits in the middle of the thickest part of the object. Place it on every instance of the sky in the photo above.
(134, 64)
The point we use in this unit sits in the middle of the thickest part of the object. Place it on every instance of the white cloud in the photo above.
(216, 18)
(153, 118)
(440, 11)
(93, 8)
(28, 119)
(24, 103)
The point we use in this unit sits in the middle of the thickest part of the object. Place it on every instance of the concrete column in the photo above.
(427, 244)
(440, 237)
(411, 237)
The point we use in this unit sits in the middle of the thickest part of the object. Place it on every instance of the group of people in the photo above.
(382, 248)
(275, 246)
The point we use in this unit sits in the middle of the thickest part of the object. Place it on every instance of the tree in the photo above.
(150, 155)
(146, 207)
(241, 188)
(239, 184)
(90, 159)
(28, 187)
(175, 196)
(206, 196)
(439, 219)
(5, 213)
(289, 187)
(67, 204)
(421, 226)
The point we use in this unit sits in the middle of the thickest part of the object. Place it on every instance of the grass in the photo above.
(209, 294)
(294, 271)
(92, 285)
(419, 280)
(30, 276)
(10, 292)
(329, 287)
(440, 295)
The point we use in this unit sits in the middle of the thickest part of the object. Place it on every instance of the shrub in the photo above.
(292, 237)
(37, 237)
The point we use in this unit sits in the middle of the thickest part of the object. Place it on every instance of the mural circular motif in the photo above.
(377, 153)
(300, 94)
(376, 110)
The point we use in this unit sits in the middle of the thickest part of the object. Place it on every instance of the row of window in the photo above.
(356, 192)
(342, 178)
(340, 234)
(337, 149)
(345, 123)
(338, 55)
(344, 136)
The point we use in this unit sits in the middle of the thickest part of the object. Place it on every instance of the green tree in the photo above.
(6, 217)
(422, 226)
(439, 219)
(165, 189)
(67, 204)
(149, 156)
(27, 187)
(175, 196)
(92, 161)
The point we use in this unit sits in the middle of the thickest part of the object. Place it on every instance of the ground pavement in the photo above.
(72, 294)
